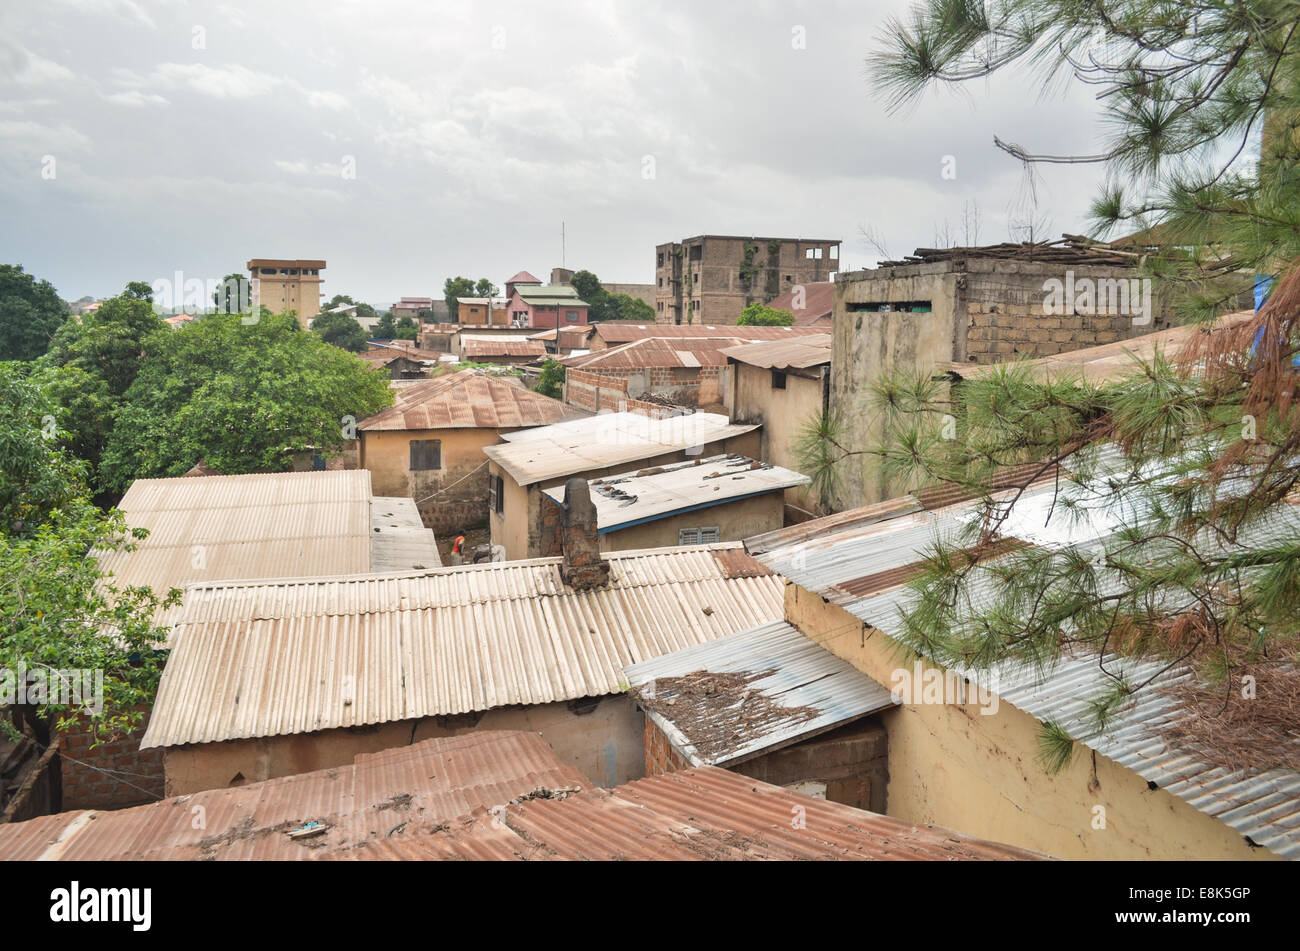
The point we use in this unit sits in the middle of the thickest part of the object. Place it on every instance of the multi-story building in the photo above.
(710, 278)
(281, 286)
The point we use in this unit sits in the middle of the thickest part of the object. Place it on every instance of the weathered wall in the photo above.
(111, 776)
(951, 765)
(982, 311)
(464, 473)
(735, 521)
(783, 415)
(601, 737)
(603, 394)
(523, 537)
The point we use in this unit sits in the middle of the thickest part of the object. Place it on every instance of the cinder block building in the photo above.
(710, 278)
(972, 305)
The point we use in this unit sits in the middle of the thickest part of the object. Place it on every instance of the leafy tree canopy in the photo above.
(341, 331)
(760, 315)
(550, 382)
(455, 287)
(606, 306)
(30, 313)
(241, 397)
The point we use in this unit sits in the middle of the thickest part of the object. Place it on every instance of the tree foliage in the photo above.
(341, 331)
(756, 314)
(58, 612)
(1176, 541)
(456, 287)
(30, 313)
(241, 397)
(550, 382)
(602, 305)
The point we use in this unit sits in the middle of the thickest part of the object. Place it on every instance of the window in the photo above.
(268, 270)
(661, 259)
(698, 536)
(496, 495)
(426, 454)
(813, 254)
(571, 316)
(778, 380)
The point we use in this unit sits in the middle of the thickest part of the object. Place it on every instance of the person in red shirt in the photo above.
(458, 550)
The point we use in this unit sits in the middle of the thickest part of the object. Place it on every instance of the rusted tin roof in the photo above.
(481, 348)
(747, 694)
(818, 303)
(657, 352)
(407, 791)
(469, 399)
(489, 796)
(264, 525)
(275, 658)
(811, 351)
(614, 332)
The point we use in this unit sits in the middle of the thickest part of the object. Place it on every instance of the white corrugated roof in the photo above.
(282, 657)
(609, 439)
(631, 497)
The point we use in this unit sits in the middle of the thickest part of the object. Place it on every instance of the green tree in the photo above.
(234, 296)
(364, 310)
(550, 382)
(58, 612)
(1187, 462)
(455, 287)
(30, 313)
(385, 329)
(760, 315)
(588, 286)
(341, 331)
(242, 397)
(406, 329)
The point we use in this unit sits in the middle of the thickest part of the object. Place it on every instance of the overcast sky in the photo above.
(404, 142)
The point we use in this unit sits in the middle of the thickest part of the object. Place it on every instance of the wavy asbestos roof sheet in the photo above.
(840, 565)
(609, 439)
(631, 498)
(468, 399)
(800, 689)
(800, 354)
(489, 796)
(267, 525)
(275, 658)
(411, 790)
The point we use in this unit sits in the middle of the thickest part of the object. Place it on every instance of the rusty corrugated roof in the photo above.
(469, 399)
(818, 303)
(488, 795)
(503, 348)
(274, 658)
(811, 351)
(654, 352)
(615, 332)
(410, 790)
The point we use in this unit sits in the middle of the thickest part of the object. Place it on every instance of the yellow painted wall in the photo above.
(950, 765)
(387, 454)
(783, 414)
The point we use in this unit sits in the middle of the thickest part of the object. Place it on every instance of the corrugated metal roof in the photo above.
(1108, 362)
(609, 439)
(471, 348)
(781, 688)
(1263, 805)
(805, 352)
(818, 303)
(657, 352)
(274, 658)
(381, 355)
(489, 796)
(615, 332)
(648, 494)
(265, 525)
(399, 540)
(407, 791)
(468, 399)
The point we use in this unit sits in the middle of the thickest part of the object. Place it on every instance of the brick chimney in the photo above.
(583, 567)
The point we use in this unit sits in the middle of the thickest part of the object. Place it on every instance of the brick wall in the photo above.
(581, 389)
(552, 535)
(447, 516)
(111, 776)
(660, 757)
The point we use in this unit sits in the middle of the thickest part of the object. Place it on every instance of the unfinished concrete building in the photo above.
(710, 278)
(972, 305)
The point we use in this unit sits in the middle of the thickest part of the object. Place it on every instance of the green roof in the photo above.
(547, 290)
